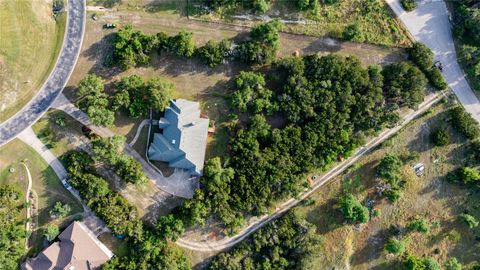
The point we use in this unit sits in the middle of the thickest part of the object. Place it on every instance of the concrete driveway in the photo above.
(57, 80)
(429, 23)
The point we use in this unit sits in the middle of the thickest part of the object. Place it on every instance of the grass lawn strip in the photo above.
(31, 41)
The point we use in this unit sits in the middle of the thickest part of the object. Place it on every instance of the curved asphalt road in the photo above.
(429, 23)
(57, 80)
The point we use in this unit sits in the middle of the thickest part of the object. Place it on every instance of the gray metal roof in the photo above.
(184, 139)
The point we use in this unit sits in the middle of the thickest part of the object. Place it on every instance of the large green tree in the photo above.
(95, 101)
(404, 84)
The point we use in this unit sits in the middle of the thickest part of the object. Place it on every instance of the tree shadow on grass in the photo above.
(326, 217)
(372, 249)
(99, 52)
(423, 142)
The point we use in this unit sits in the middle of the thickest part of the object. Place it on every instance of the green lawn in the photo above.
(31, 39)
(55, 128)
(46, 186)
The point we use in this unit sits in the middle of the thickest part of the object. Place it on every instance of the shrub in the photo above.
(395, 246)
(389, 165)
(353, 32)
(303, 4)
(436, 79)
(60, 210)
(470, 220)
(51, 232)
(353, 210)
(421, 55)
(409, 5)
(453, 264)
(213, 53)
(440, 137)
(419, 225)
(431, 264)
(261, 6)
(464, 123)
(393, 195)
(182, 44)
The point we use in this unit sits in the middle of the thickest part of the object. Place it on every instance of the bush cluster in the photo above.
(463, 122)
(422, 56)
(409, 5)
(132, 93)
(110, 152)
(326, 104)
(148, 248)
(287, 243)
(389, 170)
(132, 48)
(466, 24)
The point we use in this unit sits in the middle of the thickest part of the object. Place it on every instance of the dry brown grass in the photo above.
(429, 197)
(192, 79)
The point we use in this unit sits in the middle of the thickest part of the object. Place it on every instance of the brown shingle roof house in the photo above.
(78, 249)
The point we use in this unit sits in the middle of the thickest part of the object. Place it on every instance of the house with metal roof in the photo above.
(77, 249)
(183, 141)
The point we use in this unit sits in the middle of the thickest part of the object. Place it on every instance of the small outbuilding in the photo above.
(183, 141)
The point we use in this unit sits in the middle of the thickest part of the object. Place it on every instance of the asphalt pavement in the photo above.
(429, 23)
(56, 81)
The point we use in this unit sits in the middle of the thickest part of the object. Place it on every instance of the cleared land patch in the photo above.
(192, 79)
(31, 38)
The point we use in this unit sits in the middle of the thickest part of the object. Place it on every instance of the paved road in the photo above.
(429, 23)
(227, 242)
(95, 224)
(58, 78)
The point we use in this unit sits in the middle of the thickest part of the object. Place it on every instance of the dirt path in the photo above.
(227, 242)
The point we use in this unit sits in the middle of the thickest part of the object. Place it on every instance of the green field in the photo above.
(46, 186)
(31, 39)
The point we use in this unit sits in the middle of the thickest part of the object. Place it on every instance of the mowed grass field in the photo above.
(192, 79)
(429, 197)
(46, 186)
(30, 40)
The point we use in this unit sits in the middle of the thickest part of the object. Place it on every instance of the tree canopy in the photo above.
(287, 243)
(352, 209)
(404, 83)
(95, 101)
(263, 44)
